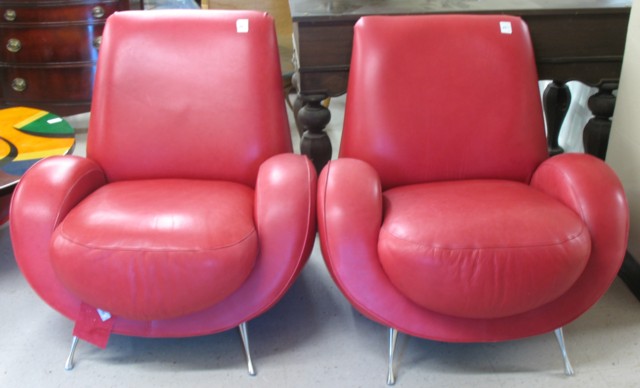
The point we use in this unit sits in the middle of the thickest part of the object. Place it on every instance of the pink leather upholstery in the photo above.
(443, 217)
(203, 246)
(190, 214)
(486, 91)
(477, 248)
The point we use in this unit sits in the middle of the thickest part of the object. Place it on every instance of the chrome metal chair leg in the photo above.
(393, 335)
(568, 370)
(74, 344)
(245, 342)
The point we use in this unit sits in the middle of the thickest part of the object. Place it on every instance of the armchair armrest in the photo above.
(285, 208)
(43, 197)
(591, 188)
(285, 217)
(350, 209)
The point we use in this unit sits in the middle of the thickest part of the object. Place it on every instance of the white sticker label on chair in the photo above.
(104, 315)
(242, 26)
(505, 27)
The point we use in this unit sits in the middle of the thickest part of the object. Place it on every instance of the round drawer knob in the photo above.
(10, 15)
(14, 45)
(19, 84)
(97, 41)
(97, 12)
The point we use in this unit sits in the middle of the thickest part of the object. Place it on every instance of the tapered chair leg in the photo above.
(393, 335)
(74, 344)
(568, 370)
(245, 342)
(243, 334)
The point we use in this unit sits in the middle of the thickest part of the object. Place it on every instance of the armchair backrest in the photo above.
(188, 94)
(444, 97)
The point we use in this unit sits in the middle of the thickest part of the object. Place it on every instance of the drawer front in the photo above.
(62, 108)
(73, 83)
(93, 12)
(50, 44)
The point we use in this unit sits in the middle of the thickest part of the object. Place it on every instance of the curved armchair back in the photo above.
(405, 113)
(218, 121)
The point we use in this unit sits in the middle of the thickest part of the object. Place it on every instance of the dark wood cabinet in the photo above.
(49, 50)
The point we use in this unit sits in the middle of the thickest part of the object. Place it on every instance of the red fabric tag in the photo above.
(91, 328)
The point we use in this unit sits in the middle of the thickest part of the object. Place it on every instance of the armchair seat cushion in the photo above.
(157, 249)
(480, 249)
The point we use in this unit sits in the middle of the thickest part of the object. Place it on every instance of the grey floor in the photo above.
(312, 338)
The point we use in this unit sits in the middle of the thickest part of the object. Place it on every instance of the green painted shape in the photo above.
(49, 125)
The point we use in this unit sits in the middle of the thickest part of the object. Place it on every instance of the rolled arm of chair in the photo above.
(285, 209)
(285, 217)
(592, 189)
(43, 197)
(349, 214)
(350, 206)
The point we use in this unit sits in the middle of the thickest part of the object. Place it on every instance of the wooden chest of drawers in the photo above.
(49, 50)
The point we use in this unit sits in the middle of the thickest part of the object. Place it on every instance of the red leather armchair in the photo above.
(443, 217)
(190, 215)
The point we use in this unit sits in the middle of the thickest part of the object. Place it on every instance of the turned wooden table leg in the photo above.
(313, 117)
(596, 133)
(556, 100)
(298, 103)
